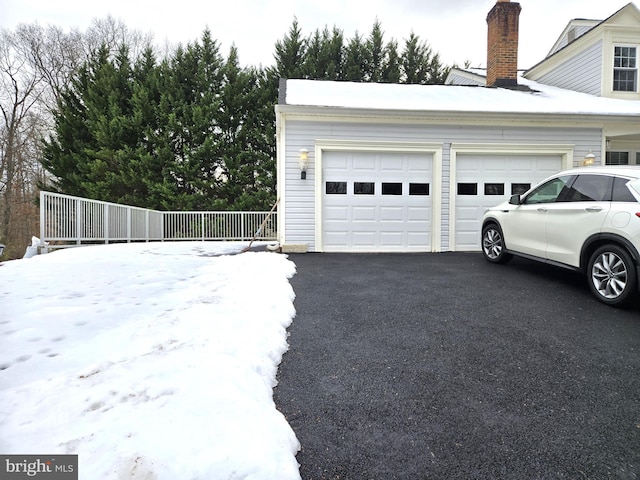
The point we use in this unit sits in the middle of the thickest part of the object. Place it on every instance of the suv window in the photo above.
(589, 188)
(549, 191)
(620, 191)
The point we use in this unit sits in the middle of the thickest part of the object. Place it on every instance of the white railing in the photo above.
(67, 221)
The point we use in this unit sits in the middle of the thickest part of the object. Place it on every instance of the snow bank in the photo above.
(148, 360)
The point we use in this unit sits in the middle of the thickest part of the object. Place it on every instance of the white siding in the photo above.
(457, 79)
(300, 196)
(582, 73)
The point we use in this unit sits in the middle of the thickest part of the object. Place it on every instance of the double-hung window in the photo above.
(625, 69)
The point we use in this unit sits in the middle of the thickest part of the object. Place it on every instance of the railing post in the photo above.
(42, 215)
(202, 225)
(147, 233)
(129, 220)
(78, 221)
(106, 222)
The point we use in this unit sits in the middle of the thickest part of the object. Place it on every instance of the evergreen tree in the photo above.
(190, 108)
(355, 62)
(437, 72)
(97, 137)
(239, 162)
(290, 53)
(315, 65)
(64, 153)
(414, 58)
(374, 71)
(150, 162)
(333, 50)
(391, 71)
(324, 55)
(420, 65)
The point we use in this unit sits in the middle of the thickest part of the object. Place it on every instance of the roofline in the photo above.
(328, 113)
(593, 24)
(579, 39)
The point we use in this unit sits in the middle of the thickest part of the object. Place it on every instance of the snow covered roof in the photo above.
(536, 99)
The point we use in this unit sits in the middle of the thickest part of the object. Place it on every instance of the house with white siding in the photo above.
(368, 167)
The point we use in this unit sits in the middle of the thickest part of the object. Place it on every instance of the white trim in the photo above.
(333, 145)
(636, 47)
(281, 187)
(565, 151)
(443, 118)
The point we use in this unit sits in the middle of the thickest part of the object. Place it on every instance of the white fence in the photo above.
(67, 221)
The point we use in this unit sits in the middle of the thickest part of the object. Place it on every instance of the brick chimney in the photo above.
(502, 44)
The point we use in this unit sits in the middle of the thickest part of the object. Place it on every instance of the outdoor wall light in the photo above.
(303, 162)
(589, 159)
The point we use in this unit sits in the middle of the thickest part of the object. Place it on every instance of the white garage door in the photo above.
(376, 202)
(483, 181)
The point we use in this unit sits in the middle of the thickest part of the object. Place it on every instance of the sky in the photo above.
(148, 360)
(455, 29)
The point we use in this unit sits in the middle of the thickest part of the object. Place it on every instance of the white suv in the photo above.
(586, 219)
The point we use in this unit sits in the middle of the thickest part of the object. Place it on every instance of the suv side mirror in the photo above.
(514, 200)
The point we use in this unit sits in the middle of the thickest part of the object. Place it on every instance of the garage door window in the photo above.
(519, 188)
(418, 189)
(467, 189)
(391, 188)
(364, 188)
(336, 188)
(494, 188)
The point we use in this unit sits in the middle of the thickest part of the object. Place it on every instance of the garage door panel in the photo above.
(363, 164)
(363, 214)
(417, 239)
(392, 214)
(337, 238)
(392, 165)
(383, 215)
(389, 239)
(338, 165)
(336, 213)
(363, 239)
(469, 213)
(419, 166)
(419, 214)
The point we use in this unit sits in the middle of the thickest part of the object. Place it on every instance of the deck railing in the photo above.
(67, 221)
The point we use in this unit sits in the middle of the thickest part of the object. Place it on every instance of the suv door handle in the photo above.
(542, 209)
(593, 209)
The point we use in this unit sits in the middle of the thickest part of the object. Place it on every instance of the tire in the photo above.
(493, 247)
(612, 276)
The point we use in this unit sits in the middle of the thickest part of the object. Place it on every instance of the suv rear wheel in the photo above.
(612, 275)
(493, 244)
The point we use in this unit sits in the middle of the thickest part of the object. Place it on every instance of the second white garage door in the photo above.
(483, 181)
(376, 202)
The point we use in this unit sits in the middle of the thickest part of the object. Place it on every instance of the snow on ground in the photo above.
(149, 361)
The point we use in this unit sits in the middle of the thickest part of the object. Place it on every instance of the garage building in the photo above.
(365, 167)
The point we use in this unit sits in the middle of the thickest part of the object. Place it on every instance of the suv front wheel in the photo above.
(612, 275)
(493, 244)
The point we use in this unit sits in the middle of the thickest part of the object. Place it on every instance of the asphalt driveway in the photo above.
(443, 366)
